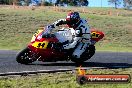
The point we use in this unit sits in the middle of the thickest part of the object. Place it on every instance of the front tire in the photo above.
(24, 56)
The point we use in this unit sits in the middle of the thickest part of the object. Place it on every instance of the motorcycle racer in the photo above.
(82, 38)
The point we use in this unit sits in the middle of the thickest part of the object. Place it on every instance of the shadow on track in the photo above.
(90, 64)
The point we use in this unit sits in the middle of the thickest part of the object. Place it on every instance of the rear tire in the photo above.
(23, 56)
(90, 51)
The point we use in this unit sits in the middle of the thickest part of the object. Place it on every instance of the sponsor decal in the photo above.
(35, 35)
(83, 78)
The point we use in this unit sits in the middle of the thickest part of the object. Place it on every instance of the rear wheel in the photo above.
(25, 56)
(86, 55)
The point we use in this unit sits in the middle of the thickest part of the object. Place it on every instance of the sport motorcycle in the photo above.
(47, 47)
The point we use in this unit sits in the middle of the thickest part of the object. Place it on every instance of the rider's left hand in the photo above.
(49, 28)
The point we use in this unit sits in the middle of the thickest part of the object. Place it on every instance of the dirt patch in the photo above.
(128, 26)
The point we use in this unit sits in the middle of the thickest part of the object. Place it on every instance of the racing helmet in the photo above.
(73, 17)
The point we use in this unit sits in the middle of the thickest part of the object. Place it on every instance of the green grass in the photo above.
(61, 80)
(18, 25)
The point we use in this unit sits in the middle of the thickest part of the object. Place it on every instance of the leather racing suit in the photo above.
(82, 38)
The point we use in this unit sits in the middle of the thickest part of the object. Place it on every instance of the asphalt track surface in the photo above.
(100, 59)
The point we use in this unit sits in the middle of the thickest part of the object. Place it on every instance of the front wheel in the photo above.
(24, 56)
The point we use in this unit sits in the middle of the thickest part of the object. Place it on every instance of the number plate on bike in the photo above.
(41, 45)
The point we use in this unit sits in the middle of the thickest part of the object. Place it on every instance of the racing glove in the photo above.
(49, 28)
